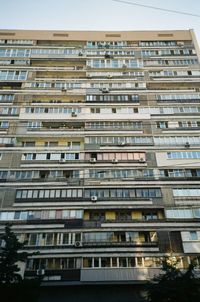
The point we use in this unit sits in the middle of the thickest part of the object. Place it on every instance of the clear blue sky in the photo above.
(97, 15)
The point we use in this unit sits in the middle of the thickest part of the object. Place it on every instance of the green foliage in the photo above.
(9, 256)
(174, 285)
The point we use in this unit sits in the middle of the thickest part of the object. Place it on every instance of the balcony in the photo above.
(59, 126)
(118, 274)
(97, 274)
(118, 244)
(178, 101)
(97, 223)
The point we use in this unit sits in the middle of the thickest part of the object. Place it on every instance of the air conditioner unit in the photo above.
(93, 160)
(89, 76)
(74, 114)
(122, 144)
(93, 198)
(108, 56)
(141, 160)
(62, 160)
(115, 160)
(78, 244)
(124, 66)
(109, 76)
(105, 90)
(40, 272)
(187, 145)
(100, 44)
(180, 43)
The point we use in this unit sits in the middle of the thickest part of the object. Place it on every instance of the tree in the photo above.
(9, 256)
(12, 287)
(174, 285)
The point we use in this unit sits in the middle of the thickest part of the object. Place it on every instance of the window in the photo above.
(162, 125)
(114, 125)
(4, 125)
(35, 124)
(189, 124)
(54, 51)
(186, 192)
(52, 110)
(44, 214)
(71, 156)
(41, 156)
(148, 262)
(124, 156)
(185, 154)
(7, 75)
(5, 98)
(46, 194)
(114, 63)
(123, 193)
(119, 140)
(54, 156)
(28, 156)
(176, 140)
(74, 145)
(95, 110)
(178, 97)
(170, 62)
(17, 52)
(193, 235)
(196, 213)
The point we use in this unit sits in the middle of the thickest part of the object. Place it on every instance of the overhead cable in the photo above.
(157, 8)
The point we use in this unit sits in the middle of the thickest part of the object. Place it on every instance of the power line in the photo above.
(157, 8)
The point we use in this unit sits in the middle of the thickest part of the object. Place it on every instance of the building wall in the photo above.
(99, 151)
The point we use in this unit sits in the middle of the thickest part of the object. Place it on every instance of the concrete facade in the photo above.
(100, 149)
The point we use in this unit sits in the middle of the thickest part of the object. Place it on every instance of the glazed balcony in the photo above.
(96, 274)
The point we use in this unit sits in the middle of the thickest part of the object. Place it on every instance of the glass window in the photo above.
(35, 193)
(148, 262)
(114, 261)
(32, 239)
(24, 194)
(30, 193)
(19, 194)
(105, 262)
(196, 213)
(87, 262)
(139, 261)
(17, 215)
(122, 262)
(58, 193)
(55, 156)
(41, 193)
(41, 156)
(193, 235)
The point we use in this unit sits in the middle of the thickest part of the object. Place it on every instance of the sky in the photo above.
(98, 15)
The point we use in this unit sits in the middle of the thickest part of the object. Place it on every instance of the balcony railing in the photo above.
(97, 223)
(115, 243)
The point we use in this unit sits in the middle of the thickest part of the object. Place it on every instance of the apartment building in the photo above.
(99, 151)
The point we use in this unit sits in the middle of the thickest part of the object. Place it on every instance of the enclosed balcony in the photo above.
(119, 238)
